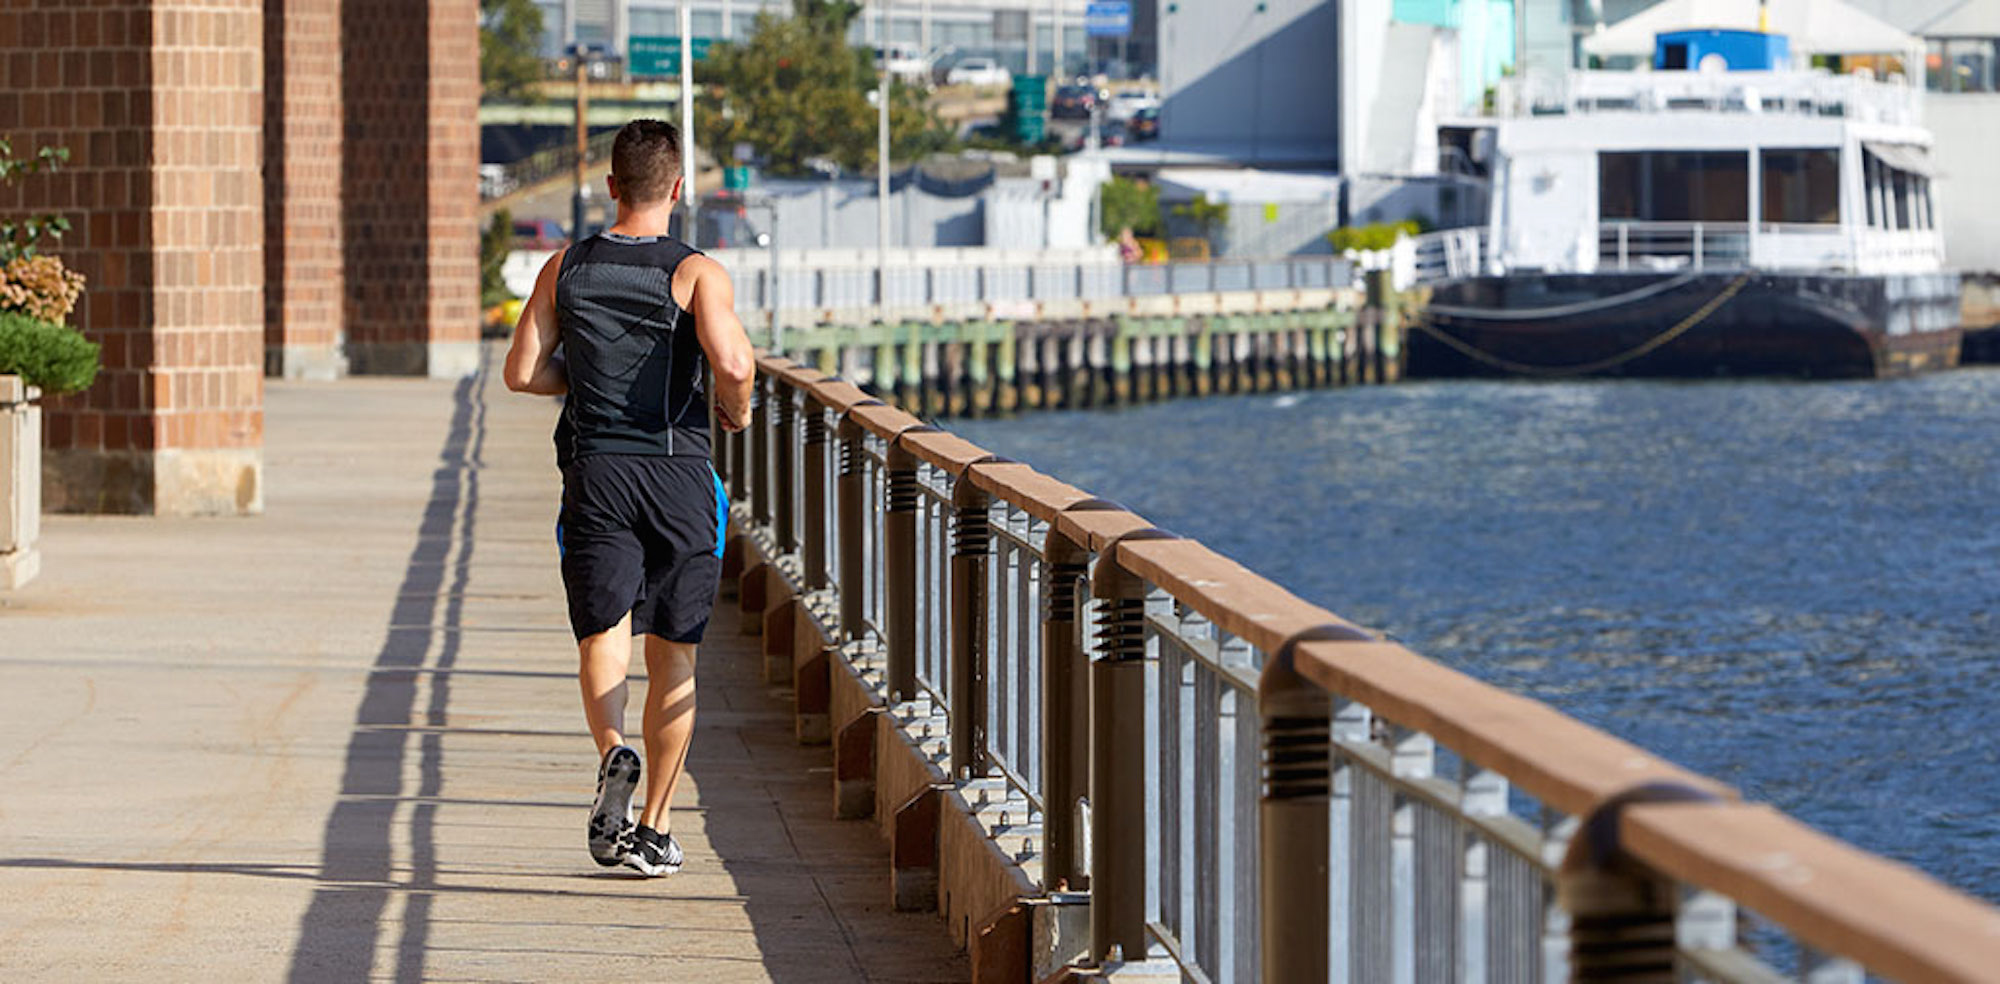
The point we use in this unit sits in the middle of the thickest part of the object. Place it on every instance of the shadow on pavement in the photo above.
(339, 933)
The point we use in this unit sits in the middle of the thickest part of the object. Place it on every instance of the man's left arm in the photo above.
(531, 366)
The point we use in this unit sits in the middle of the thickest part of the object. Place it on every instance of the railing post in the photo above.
(814, 548)
(1624, 246)
(785, 474)
(972, 539)
(1118, 807)
(851, 487)
(1622, 915)
(1697, 246)
(1066, 716)
(1293, 851)
(899, 581)
(760, 452)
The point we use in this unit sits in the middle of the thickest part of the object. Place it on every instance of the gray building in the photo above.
(1254, 83)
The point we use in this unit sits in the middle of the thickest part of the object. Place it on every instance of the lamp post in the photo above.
(882, 173)
(581, 55)
(689, 169)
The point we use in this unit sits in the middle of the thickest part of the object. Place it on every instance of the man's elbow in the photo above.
(516, 380)
(737, 368)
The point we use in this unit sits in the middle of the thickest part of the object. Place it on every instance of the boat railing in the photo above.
(1675, 246)
(1815, 93)
(1657, 246)
(1252, 787)
(1447, 254)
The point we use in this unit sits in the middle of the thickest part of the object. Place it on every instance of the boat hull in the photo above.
(1681, 324)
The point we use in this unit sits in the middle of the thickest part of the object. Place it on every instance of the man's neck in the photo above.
(640, 223)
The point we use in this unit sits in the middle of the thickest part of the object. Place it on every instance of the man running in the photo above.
(639, 317)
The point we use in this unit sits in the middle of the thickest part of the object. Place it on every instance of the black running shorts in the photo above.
(641, 534)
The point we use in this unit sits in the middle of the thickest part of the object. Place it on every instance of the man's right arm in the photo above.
(531, 367)
(730, 356)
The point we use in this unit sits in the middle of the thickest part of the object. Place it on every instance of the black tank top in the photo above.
(636, 369)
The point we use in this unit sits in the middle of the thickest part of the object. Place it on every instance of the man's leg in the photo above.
(669, 724)
(604, 660)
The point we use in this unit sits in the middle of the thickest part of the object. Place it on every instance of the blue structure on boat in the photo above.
(1743, 51)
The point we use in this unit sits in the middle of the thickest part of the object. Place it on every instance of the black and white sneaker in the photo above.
(611, 816)
(653, 853)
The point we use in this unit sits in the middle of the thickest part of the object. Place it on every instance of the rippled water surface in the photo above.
(1793, 587)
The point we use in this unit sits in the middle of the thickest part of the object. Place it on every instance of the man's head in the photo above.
(645, 163)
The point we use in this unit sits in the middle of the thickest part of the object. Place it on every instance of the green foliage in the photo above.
(19, 239)
(797, 91)
(1125, 203)
(1209, 217)
(510, 44)
(495, 242)
(56, 358)
(1375, 236)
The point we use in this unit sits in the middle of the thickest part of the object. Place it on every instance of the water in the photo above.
(1792, 587)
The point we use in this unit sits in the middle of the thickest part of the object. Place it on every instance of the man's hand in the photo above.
(730, 424)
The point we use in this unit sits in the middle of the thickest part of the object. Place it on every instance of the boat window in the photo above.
(1802, 186)
(1674, 57)
(1674, 186)
(1962, 65)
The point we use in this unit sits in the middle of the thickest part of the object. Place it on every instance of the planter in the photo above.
(20, 482)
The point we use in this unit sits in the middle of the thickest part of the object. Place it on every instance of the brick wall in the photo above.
(411, 185)
(160, 104)
(304, 283)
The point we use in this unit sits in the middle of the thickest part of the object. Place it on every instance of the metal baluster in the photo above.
(1118, 765)
(1065, 722)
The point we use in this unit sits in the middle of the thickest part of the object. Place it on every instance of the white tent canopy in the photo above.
(1816, 27)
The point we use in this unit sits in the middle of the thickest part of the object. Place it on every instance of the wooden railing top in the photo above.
(1891, 918)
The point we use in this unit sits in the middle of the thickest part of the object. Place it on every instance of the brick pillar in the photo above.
(159, 102)
(411, 193)
(305, 297)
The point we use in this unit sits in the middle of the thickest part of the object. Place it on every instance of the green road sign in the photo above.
(1028, 108)
(736, 178)
(655, 54)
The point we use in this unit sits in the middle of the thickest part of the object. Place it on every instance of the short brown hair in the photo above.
(646, 160)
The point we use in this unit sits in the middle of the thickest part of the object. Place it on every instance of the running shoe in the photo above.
(653, 853)
(611, 816)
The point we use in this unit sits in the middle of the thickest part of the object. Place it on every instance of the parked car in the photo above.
(1123, 105)
(539, 234)
(1145, 124)
(1074, 102)
(982, 72)
(905, 62)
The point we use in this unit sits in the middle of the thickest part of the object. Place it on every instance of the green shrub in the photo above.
(56, 358)
(1375, 236)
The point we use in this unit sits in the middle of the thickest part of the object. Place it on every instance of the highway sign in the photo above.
(1108, 18)
(655, 54)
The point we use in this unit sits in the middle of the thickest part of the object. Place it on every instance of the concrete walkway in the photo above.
(342, 741)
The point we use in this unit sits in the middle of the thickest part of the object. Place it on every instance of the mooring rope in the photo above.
(1686, 325)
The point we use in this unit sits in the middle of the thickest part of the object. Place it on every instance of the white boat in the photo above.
(1723, 213)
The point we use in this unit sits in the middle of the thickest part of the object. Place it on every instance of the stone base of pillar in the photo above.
(319, 363)
(206, 482)
(437, 360)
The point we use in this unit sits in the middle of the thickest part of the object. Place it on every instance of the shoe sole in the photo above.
(639, 864)
(612, 813)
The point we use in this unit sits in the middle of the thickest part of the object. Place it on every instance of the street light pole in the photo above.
(690, 172)
(576, 208)
(882, 174)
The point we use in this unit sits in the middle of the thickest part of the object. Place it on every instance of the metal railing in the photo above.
(1255, 789)
(1779, 93)
(847, 279)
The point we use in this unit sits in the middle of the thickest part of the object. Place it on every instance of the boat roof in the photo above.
(1816, 27)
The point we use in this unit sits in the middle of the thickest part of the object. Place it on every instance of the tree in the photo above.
(495, 242)
(797, 91)
(510, 44)
(1127, 203)
(1211, 218)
